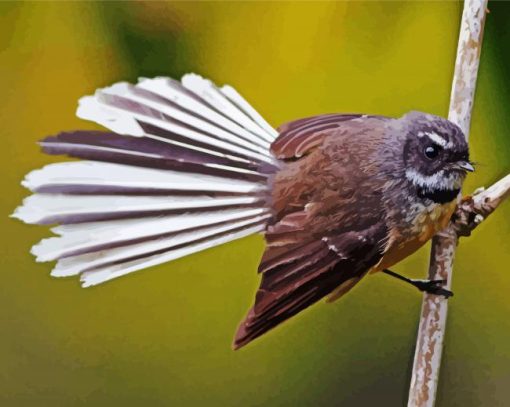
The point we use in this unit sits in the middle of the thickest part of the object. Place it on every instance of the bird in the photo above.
(183, 166)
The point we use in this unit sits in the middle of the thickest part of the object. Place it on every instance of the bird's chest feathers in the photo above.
(431, 219)
(420, 224)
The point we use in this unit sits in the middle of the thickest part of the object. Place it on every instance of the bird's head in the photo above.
(436, 155)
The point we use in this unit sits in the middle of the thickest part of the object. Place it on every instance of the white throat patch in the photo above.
(436, 181)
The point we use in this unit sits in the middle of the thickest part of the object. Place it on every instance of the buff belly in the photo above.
(430, 221)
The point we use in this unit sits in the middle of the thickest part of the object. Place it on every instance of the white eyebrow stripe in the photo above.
(435, 138)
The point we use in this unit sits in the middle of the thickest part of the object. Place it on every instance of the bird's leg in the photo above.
(429, 286)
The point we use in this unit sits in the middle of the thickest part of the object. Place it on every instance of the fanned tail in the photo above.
(183, 169)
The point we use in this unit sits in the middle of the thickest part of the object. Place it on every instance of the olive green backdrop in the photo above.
(162, 336)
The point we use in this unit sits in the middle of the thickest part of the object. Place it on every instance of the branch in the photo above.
(429, 344)
(472, 210)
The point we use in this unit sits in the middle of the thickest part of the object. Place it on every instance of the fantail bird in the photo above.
(188, 166)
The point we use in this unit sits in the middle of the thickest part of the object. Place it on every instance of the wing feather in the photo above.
(299, 137)
(299, 275)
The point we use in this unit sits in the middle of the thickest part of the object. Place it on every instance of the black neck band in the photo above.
(440, 196)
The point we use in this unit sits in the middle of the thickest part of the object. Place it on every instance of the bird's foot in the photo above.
(467, 215)
(428, 286)
(432, 287)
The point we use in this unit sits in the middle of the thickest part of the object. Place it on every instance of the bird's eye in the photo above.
(432, 151)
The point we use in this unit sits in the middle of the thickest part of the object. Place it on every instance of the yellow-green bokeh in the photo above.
(162, 336)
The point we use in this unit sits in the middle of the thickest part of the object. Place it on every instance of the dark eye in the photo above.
(432, 151)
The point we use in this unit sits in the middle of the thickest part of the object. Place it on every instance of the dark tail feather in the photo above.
(146, 152)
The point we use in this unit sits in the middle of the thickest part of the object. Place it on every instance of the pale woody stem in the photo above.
(429, 344)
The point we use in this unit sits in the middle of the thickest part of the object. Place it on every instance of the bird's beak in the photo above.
(466, 166)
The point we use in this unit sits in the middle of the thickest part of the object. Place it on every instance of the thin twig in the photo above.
(429, 344)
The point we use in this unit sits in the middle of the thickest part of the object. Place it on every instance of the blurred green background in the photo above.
(162, 336)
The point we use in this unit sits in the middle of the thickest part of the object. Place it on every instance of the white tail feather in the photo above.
(241, 102)
(77, 264)
(99, 173)
(118, 120)
(36, 208)
(170, 90)
(113, 119)
(101, 275)
(209, 92)
(124, 212)
(147, 98)
(82, 237)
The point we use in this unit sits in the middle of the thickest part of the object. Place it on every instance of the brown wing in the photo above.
(298, 137)
(298, 271)
(329, 227)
